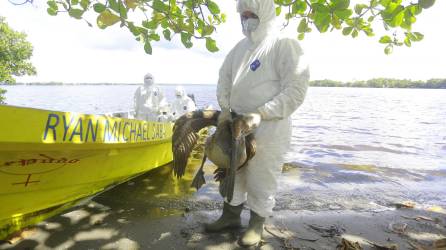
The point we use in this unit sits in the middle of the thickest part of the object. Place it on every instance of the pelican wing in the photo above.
(185, 136)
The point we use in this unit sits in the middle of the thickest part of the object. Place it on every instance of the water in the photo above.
(375, 144)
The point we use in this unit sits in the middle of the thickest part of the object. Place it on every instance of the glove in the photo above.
(245, 124)
(225, 115)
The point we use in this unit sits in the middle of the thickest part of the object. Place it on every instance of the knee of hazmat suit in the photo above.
(182, 103)
(148, 100)
(264, 73)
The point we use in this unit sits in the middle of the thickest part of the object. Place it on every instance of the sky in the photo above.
(69, 51)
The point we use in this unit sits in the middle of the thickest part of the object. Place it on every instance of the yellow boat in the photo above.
(51, 160)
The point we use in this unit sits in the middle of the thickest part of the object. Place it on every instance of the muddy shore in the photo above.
(314, 211)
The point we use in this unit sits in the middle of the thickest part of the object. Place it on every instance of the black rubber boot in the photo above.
(230, 218)
(253, 235)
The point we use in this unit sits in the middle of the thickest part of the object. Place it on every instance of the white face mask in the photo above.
(148, 81)
(249, 25)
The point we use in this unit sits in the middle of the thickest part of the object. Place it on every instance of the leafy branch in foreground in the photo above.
(395, 15)
(148, 20)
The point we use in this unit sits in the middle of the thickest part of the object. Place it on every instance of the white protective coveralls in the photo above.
(149, 100)
(165, 115)
(182, 103)
(263, 74)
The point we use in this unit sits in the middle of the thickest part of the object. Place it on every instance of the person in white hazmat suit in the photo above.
(263, 76)
(182, 103)
(149, 100)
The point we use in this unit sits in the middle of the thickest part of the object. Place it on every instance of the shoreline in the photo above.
(158, 211)
(99, 227)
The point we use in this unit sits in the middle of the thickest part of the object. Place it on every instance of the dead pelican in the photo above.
(230, 147)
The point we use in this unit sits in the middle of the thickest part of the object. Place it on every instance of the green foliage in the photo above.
(198, 19)
(15, 52)
(189, 19)
(2, 98)
(384, 83)
(352, 19)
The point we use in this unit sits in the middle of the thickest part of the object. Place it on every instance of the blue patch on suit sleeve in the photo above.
(255, 65)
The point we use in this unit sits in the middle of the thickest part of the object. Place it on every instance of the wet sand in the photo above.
(315, 210)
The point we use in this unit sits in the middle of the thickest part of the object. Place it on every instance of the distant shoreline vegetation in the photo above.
(383, 83)
(372, 83)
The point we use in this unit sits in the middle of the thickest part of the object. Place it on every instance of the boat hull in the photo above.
(51, 160)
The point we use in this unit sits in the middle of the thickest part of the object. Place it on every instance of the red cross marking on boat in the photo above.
(26, 182)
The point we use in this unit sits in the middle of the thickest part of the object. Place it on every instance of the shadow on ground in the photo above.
(158, 211)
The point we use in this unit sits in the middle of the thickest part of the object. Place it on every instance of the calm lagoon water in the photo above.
(342, 137)
(396, 128)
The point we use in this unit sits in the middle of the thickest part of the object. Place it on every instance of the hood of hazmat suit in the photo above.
(148, 80)
(149, 100)
(264, 73)
(182, 103)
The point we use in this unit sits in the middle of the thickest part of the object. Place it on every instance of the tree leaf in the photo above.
(322, 21)
(278, 10)
(154, 37)
(211, 45)
(397, 19)
(132, 4)
(320, 8)
(207, 30)
(85, 4)
(148, 47)
(347, 30)
(343, 14)
(418, 36)
(135, 30)
(299, 7)
(99, 7)
(51, 12)
(106, 18)
(185, 39)
(166, 34)
(388, 49)
(122, 10)
(302, 26)
(213, 7)
(407, 42)
(76, 13)
(340, 4)
(425, 4)
(114, 5)
(385, 39)
(52, 5)
(359, 8)
(152, 24)
(159, 6)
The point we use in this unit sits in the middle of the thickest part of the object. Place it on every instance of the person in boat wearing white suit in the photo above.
(182, 103)
(149, 100)
(262, 75)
